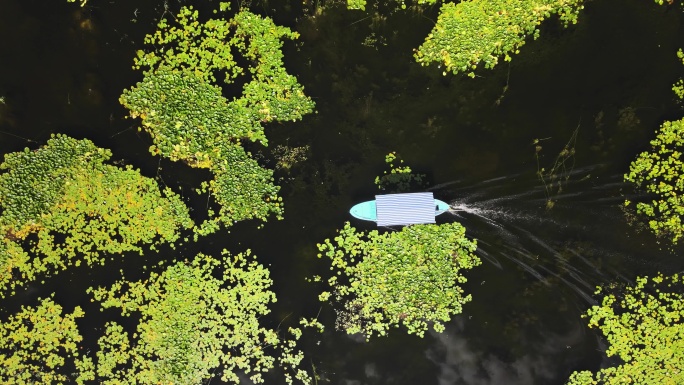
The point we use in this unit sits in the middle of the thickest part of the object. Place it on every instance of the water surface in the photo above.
(609, 78)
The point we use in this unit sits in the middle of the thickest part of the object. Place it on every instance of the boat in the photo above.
(400, 209)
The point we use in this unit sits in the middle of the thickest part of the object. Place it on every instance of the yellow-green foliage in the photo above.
(660, 173)
(205, 48)
(409, 277)
(35, 342)
(188, 117)
(645, 328)
(475, 32)
(195, 319)
(63, 205)
(471, 33)
(196, 124)
(398, 178)
(244, 189)
(356, 4)
(361, 4)
(678, 88)
(190, 120)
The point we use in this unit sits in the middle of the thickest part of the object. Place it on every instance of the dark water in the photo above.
(609, 78)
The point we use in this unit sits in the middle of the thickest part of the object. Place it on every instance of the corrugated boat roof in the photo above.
(405, 209)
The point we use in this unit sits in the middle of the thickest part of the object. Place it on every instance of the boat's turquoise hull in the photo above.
(368, 212)
(440, 207)
(365, 211)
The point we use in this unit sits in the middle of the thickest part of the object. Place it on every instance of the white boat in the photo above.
(400, 209)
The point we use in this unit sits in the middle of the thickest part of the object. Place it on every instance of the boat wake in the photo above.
(579, 244)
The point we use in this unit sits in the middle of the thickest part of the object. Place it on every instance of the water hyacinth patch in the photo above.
(644, 325)
(409, 277)
(189, 119)
(77, 209)
(479, 32)
(196, 320)
(660, 172)
(37, 343)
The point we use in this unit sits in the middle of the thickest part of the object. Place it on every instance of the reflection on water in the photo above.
(460, 362)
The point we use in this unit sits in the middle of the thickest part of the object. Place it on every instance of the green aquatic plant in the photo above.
(208, 47)
(558, 174)
(62, 205)
(398, 178)
(479, 32)
(287, 156)
(243, 188)
(356, 4)
(409, 277)
(188, 117)
(196, 320)
(659, 171)
(678, 87)
(470, 34)
(196, 124)
(35, 342)
(190, 120)
(645, 329)
(361, 4)
(32, 182)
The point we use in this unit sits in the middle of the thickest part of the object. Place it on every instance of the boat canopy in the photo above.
(405, 209)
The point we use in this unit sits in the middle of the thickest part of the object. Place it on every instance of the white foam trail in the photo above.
(541, 243)
(585, 260)
(486, 215)
(497, 179)
(587, 297)
(527, 268)
(509, 221)
(442, 185)
(489, 258)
